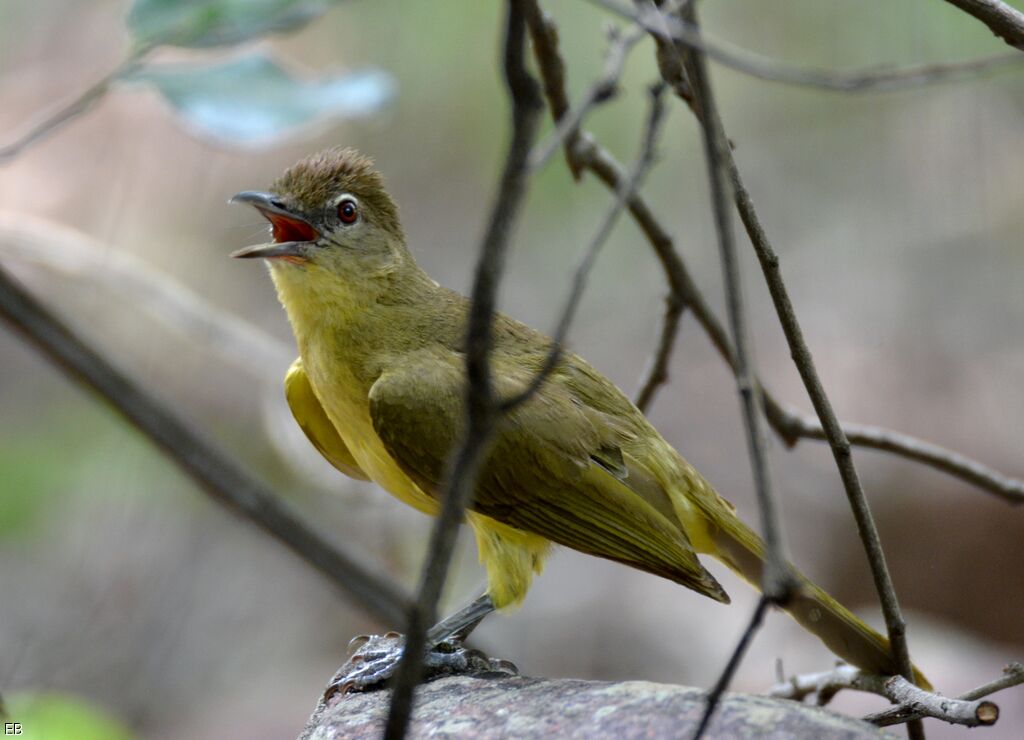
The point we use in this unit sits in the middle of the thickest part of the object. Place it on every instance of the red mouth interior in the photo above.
(290, 229)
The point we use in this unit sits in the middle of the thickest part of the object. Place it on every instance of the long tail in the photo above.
(817, 612)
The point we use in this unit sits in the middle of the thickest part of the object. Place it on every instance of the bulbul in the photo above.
(378, 390)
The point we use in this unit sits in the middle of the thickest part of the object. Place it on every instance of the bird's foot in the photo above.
(374, 659)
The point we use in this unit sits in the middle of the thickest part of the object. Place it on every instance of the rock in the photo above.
(521, 707)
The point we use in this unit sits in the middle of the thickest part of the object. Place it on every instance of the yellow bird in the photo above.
(378, 389)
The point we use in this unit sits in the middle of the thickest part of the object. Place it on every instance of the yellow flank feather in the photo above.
(378, 389)
(313, 420)
(511, 557)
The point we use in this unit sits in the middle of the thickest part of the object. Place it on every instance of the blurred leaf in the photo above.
(26, 477)
(31, 481)
(201, 23)
(251, 101)
(63, 717)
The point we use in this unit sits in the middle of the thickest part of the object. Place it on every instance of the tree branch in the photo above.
(481, 409)
(960, 466)
(912, 702)
(1004, 21)
(215, 473)
(656, 374)
(826, 684)
(1013, 675)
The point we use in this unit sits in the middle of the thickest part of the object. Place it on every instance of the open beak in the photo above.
(291, 233)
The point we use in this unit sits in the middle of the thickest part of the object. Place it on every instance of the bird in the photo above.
(378, 390)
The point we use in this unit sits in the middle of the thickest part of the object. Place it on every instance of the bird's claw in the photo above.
(376, 657)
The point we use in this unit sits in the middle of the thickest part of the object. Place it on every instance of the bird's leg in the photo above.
(376, 657)
(458, 626)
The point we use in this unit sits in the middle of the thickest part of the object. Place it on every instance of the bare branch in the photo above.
(656, 374)
(1013, 675)
(589, 255)
(967, 713)
(826, 684)
(481, 409)
(1004, 21)
(912, 702)
(960, 466)
(844, 81)
(201, 460)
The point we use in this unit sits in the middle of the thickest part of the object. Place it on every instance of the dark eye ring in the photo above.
(348, 211)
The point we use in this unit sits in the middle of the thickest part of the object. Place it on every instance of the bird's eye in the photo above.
(348, 211)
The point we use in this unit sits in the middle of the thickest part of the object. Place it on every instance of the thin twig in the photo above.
(481, 410)
(956, 464)
(76, 107)
(824, 685)
(587, 154)
(968, 713)
(225, 481)
(843, 81)
(1004, 21)
(589, 255)
(716, 693)
(912, 703)
(778, 580)
(656, 374)
(1013, 675)
(603, 90)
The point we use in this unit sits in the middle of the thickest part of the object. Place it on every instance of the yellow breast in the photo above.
(348, 408)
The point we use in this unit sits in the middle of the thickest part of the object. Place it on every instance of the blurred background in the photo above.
(127, 594)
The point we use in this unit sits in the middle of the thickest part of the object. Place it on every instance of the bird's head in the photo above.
(331, 221)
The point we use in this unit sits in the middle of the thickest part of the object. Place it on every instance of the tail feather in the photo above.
(817, 612)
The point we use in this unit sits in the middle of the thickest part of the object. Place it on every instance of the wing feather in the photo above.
(312, 419)
(555, 469)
